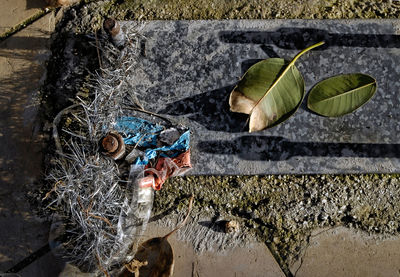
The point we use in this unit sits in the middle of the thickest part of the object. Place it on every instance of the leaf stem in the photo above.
(304, 51)
(184, 221)
(286, 70)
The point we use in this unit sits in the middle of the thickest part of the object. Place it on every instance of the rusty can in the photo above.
(113, 145)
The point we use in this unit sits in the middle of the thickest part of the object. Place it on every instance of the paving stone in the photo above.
(188, 69)
(346, 252)
(72, 271)
(13, 12)
(46, 266)
(253, 260)
(22, 58)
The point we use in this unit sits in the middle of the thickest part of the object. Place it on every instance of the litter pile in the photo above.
(110, 157)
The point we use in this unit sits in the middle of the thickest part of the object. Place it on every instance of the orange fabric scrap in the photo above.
(167, 167)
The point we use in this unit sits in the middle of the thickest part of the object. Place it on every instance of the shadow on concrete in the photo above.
(301, 38)
(23, 236)
(21, 151)
(211, 109)
(22, 43)
(265, 148)
(217, 226)
(21, 232)
(35, 4)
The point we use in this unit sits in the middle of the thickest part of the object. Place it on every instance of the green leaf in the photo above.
(342, 94)
(270, 92)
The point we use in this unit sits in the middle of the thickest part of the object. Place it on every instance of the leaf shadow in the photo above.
(210, 109)
(301, 38)
(35, 4)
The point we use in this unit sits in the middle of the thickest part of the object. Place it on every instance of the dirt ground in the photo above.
(242, 9)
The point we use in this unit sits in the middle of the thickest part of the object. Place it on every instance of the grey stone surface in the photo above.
(188, 69)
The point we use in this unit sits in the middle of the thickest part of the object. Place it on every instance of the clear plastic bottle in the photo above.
(132, 224)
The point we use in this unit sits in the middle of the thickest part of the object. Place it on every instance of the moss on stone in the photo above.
(23, 24)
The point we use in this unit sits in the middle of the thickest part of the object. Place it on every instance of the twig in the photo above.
(151, 113)
(56, 121)
(101, 267)
(185, 220)
(73, 134)
(53, 189)
(101, 218)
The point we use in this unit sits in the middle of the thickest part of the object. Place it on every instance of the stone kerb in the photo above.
(188, 68)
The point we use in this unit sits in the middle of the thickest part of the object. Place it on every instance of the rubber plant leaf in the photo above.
(342, 94)
(269, 92)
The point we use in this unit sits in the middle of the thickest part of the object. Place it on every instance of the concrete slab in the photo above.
(22, 58)
(253, 260)
(45, 266)
(346, 252)
(188, 69)
(13, 12)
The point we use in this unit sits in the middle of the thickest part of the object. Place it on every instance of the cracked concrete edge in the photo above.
(335, 250)
(30, 20)
(234, 260)
(27, 21)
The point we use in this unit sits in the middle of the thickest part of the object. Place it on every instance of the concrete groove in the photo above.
(29, 259)
(24, 24)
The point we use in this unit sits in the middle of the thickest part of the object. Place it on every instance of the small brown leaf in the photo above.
(158, 254)
(232, 226)
(155, 255)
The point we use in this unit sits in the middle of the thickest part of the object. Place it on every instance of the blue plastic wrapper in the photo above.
(142, 133)
(138, 131)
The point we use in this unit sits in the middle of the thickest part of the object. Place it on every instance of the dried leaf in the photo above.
(155, 256)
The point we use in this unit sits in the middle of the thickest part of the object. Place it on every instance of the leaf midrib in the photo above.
(343, 94)
(284, 72)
